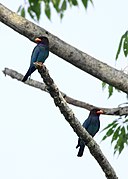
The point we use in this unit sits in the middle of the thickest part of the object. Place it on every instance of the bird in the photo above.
(39, 54)
(92, 125)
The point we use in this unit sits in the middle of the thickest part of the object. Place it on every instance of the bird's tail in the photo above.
(29, 72)
(81, 151)
(80, 144)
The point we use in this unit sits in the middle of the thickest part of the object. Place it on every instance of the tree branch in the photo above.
(83, 61)
(119, 111)
(75, 124)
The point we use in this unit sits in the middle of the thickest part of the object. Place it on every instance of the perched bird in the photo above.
(39, 54)
(92, 125)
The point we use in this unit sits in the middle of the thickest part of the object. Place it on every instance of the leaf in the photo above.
(122, 139)
(119, 48)
(126, 139)
(64, 5)
(23, 12)
(116, 134)
(63, 8)
(91, 2)
(104, 137)
(31, 2)
(47, 10)
(19, 9)
(126, 120)
(104, 85)
(70, 2)
(37, 9)
(123, 131)
(56, 4)
(61, 15)
(113, 124)
(125, 46)
(111, 127)
(108, 134)
(120, 144)
(119, 135)
(74, 2)
(85, 3)
(30, 12)
(34, 9)
(110, 90)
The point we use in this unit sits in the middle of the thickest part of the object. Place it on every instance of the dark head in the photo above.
(96, 111)
(43, 40)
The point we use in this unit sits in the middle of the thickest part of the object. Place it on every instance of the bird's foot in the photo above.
(38, 64)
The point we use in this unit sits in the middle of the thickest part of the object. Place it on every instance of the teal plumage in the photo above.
(92, 125)
(39, 54)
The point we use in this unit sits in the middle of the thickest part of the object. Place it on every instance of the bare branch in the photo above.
(119, 111)
(75, 124)
(67, 52)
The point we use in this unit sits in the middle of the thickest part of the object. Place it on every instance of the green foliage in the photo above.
(104, 85)
(124, 44)
(47, 10)
(33, 7)
(23, 12)
(110, 89)
(85, 3)
(119, 134)
(74, 2)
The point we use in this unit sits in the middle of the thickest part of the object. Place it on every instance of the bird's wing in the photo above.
(86, 123)
(35, 54)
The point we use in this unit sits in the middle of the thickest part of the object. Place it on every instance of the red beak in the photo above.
(37, 40)
(100, 112)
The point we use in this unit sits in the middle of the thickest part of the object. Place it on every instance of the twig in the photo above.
(119, 111)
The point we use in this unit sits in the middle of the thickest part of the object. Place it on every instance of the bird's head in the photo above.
(96, 111)
(43, 40)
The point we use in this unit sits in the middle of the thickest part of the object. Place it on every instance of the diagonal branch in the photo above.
(83, 61)
(109, 111)
(75, 124)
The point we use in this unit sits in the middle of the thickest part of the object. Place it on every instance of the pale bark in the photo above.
(67, 52)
